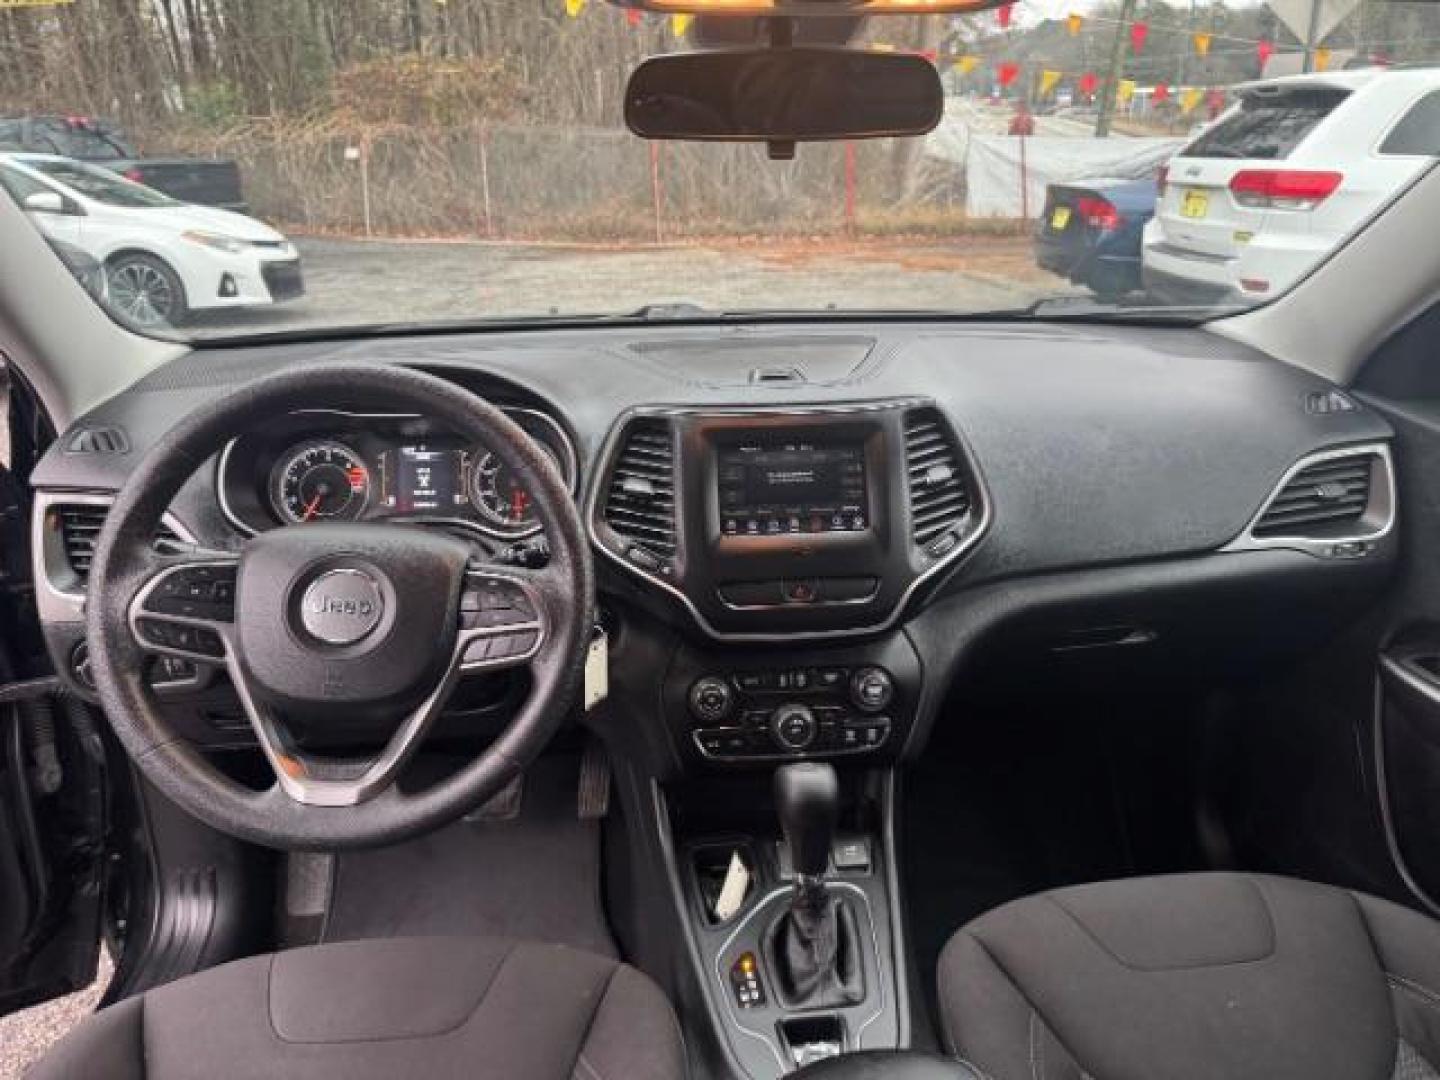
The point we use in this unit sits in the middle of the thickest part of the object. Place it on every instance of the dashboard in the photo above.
(807, 533)
(328, 465)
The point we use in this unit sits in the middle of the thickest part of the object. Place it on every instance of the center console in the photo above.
(795, 930)
(773, 524)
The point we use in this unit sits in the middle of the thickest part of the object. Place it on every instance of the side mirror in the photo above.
(49, 202)
(783, 95)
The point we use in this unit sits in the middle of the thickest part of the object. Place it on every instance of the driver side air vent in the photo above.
(940, 498)
(640, 501)
(1326, 500)
(80, 525)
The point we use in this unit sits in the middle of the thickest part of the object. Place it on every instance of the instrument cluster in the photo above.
(322, 465)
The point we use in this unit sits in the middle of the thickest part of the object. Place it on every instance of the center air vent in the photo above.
(640, 501)
(80, 526)
(1327, 500)
(940, 498)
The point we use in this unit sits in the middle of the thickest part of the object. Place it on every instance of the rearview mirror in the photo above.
(787, 95)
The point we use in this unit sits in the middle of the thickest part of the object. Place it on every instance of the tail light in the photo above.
(1283, 189)
(134, 174)
(1098, 213)
(1161, 179)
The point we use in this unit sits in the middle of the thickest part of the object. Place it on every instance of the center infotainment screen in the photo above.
(785, 486)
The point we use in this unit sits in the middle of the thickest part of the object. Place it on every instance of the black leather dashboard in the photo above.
(1118, 474)
(1097, 444)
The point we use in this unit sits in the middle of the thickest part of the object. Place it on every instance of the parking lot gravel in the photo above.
(351, 282)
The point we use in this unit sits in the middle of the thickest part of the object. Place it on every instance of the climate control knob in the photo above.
(794, 727)
(871, 689)
(711, 699)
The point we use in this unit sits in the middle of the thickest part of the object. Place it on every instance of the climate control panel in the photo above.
(792, 712)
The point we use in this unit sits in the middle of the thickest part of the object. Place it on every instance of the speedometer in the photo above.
(499, 496)
(321, 481)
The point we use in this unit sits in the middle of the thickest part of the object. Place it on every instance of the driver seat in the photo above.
(476, 1008)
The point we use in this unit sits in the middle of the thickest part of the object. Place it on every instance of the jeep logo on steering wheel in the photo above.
(342, 607)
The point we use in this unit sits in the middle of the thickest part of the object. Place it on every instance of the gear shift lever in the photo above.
(807, 798)
(812, 946)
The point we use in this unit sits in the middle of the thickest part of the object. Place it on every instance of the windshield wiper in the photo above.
(1082, 309)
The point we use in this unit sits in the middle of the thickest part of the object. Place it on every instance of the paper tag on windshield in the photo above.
(597, 670)
(732, 893)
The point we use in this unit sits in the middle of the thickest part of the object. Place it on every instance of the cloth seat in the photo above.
(1195, 977)
(476, 1008)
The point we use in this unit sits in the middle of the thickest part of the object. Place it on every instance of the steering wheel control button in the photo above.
(181, 637)
(794, 727)
(496, 602)
(871, 689)
(195, 592)
(342, 607)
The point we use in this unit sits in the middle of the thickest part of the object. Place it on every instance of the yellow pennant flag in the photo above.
(1190, 97)
(1074, 21)
(680, 24)
(1322, 59)
(1124, 91)
(967, 64)
(1202, 43)
(1048, 79)
(573, 8)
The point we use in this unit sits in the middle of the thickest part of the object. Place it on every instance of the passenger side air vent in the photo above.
(1327, 500)
(80, 526)
(940, 497)
(640, 501)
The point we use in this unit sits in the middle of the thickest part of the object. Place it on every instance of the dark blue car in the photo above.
(1090, 232)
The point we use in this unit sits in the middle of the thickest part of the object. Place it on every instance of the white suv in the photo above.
(1277, 181)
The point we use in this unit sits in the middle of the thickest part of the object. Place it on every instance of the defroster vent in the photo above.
(640, 501)
(940, 496)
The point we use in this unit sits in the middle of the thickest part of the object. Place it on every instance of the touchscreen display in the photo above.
(774, 488)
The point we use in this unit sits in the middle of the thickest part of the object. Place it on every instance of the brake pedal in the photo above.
(505, 806)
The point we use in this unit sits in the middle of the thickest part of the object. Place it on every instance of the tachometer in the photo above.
(499, 496)
(321, 481)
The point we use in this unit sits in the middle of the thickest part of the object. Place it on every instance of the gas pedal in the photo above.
(594, 802)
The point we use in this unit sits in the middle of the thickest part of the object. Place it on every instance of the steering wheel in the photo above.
(328, 622)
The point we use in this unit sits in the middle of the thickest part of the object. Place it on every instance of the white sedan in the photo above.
(163, 259)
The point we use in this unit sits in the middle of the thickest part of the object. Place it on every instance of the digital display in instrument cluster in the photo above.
(425, 478)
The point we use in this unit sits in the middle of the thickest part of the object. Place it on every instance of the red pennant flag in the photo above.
(1264, 49)
(1160, 93)
(1003, 13)
(1088, 82)
(1007, 72)
(1138, 33)
(1215, 101)
(633, 16)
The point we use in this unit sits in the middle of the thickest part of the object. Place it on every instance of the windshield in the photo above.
(353, 163)
(99, 184)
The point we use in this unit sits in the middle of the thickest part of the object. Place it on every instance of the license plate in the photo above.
(1194, 204)
(1060, 218)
